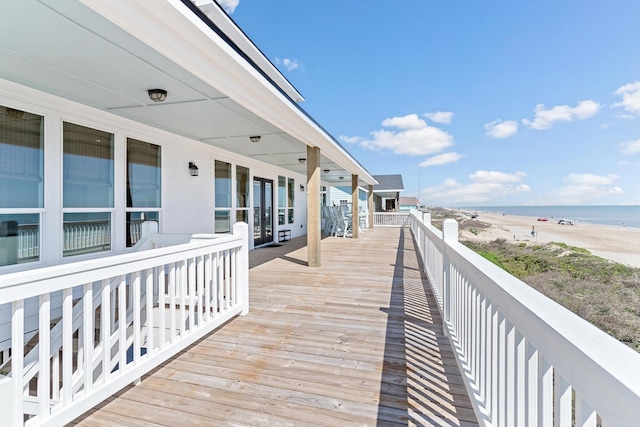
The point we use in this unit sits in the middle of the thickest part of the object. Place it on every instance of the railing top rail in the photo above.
(20, 285)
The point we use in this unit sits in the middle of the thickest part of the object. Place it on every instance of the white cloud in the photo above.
(630, 97)
(544, 118)
(500, 129)
(441, 159)
(589, 179)
(350, 139)
(496, 177)
(486, 187)
(289, 64)
(630, 147)
(407, 135)
(229, 6)
(443, 117)
(584, 189)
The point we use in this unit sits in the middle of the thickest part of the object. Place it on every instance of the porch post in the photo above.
(372, 207)
(313, 206)
(355, 220)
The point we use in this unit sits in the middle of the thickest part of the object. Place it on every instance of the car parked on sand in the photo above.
(567, 222)
(543, 219)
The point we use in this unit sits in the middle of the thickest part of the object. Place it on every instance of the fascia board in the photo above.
(191, 44)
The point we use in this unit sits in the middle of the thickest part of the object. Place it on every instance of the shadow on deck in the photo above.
(357, 341)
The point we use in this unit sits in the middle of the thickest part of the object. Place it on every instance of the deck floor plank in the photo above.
(357, 341)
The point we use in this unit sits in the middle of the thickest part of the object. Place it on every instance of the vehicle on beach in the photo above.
(567, 222)
(543, 219)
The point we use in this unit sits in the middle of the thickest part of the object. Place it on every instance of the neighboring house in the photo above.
(409, 203)
(386, 194)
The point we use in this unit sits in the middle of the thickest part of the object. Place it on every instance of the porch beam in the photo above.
(372, 207)
(313, 206)
(355, 220)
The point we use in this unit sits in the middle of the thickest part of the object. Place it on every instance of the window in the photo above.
(87, 189)
(291, 191)
(144, 185)
(21, 185)
(282, 200)
(242, 194)
(222, 220)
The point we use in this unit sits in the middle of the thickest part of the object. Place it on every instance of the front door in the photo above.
(262, 211)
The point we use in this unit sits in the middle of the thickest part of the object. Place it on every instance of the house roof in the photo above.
(221, 88)
(408, 201)
(388, 183)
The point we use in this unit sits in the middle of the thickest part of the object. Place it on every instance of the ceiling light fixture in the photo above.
(302, 160)
(326, 171)
(255, 138)
(157, 95)
(341, 177)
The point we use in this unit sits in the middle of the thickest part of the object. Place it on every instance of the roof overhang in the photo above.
(107, 54)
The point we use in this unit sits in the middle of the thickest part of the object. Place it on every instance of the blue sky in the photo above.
(475, 103)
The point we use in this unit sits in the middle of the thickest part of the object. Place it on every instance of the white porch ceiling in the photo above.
(64, 48)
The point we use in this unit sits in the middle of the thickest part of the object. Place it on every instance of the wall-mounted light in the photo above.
(193, 169)
(14, 114)
(254, 138)
(302, 160)
(301, 187)
(157, 95)
(341, 178)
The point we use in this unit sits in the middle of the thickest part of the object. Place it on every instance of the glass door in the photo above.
(262, 211)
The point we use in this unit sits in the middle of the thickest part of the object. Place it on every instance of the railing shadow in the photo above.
(420, 382)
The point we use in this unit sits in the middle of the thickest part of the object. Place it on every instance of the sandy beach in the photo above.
(617, 243)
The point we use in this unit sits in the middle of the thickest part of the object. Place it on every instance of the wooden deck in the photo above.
(357, 341)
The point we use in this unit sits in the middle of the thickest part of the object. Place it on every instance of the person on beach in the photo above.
(533, 230)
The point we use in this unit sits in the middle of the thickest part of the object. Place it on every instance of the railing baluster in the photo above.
(192, 293)
(562, 402)
(88, 335)
(532, 399)
(200, 286)
(105, 329)
(172, 302)
(182, 286)
(122, 323)
(162, 309)
(44, 337)
(150, 278)
(67, 345)
(520, 379)
(545, 393)
(227, 282)
(208, 282)
(17, 360)
(137, 324)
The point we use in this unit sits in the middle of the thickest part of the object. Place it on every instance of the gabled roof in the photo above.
(387, 183)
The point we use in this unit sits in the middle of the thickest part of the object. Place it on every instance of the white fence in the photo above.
(80, 332)
(390, 219)
(526, 360)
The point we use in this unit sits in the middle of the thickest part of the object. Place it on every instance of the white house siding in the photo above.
(187, 202)
(336, 194)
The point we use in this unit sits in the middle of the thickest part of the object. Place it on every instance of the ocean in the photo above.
(627, 215)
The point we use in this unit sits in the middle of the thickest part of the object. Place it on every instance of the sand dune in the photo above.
(620, 244)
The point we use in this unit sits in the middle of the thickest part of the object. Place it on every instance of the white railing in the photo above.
(390, 219)
(102, 324)
(526, 360)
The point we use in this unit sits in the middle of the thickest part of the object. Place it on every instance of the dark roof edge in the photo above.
(204, 18)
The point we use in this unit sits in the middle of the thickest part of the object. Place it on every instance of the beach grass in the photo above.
(603, 292)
